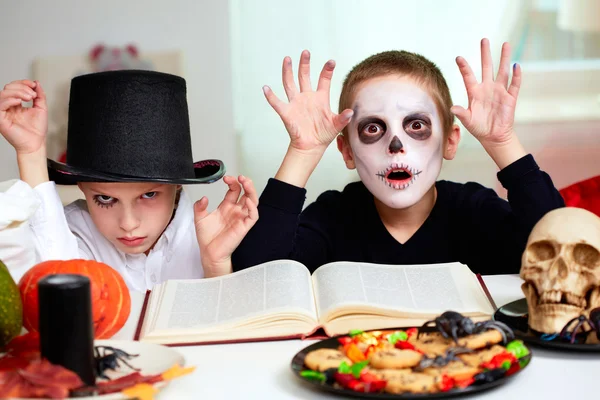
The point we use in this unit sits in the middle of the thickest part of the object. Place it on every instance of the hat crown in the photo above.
(130, 122)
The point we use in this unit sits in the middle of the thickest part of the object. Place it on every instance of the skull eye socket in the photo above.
(541, 251)
(586, 255)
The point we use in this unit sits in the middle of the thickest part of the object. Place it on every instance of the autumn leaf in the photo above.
(9, 363)
(9, 384)
(38, 379)
(176, 371)
(43, 373)
(20, 352)
(119, 384)
(27, 343)
(142, 391)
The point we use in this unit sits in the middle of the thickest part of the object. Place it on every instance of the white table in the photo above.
(262, 370)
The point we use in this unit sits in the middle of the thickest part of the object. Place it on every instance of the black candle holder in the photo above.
(66, 326)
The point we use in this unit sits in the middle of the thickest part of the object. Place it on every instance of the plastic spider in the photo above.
(454, 325)
(108, 358)
(440, 361)
(593, 322)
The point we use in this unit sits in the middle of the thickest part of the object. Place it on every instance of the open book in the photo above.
(281, 299)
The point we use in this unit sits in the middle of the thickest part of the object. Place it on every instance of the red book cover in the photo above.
(487, 292)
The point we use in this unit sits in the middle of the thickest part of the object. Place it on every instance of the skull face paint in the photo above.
(561, 268)
(396, 139)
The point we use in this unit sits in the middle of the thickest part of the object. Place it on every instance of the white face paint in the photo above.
(396, 138)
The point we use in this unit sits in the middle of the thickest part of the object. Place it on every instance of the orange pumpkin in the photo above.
(111, 302)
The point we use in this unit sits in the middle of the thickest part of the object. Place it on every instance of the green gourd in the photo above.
(11, 307)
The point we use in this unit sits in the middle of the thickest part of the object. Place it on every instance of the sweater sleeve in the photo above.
(54, 239)
(284, 231)
(18, 203)
(497, 230)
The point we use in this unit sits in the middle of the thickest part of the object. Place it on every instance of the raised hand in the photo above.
(308, 118)
(24, 127)
(491, 111)
(221, 231)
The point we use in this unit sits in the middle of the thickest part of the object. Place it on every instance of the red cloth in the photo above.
(584, 194)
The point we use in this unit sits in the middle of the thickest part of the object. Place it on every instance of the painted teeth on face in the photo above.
(383, 176)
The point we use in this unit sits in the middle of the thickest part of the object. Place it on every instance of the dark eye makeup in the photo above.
(370, 130)
(417, 126)
(104, 201)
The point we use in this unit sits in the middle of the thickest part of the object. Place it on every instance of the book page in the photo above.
(251, 293)
(413, 288)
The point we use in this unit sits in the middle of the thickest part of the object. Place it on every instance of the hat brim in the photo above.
(206, 171)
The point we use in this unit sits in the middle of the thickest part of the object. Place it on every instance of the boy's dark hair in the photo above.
(403, 63)
(178, 196)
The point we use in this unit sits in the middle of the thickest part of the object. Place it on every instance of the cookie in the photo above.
(387, 374)
(454, 369)
(433, 349)
(404, 380)
(323, 359)
(395, 359)
(431, 343)
(481, 340)
(428, 337)
(485, 355)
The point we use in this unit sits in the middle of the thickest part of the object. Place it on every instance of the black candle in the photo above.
(66, 326)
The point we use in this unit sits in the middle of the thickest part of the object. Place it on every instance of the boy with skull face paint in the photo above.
(397, 123)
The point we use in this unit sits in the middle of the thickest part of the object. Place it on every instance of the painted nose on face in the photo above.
(129, 221)
(396, 146)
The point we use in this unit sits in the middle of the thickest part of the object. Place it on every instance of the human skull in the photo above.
(561, 268)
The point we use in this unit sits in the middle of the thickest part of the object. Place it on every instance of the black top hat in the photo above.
(130, 126)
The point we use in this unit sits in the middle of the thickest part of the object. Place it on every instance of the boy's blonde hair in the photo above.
(402, 63)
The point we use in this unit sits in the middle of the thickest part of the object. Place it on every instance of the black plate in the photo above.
(515, 315)
(332, 343)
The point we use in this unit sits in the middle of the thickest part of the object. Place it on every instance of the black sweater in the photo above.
(469, 223)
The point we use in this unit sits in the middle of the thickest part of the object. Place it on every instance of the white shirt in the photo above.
(69, 233)
(17, 248)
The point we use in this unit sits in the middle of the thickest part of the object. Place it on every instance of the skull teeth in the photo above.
(557, 297)
(576, 300)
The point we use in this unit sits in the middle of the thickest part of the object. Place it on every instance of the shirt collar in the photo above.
(184, 216)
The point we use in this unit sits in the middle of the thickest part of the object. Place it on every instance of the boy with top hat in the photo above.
(129, 151)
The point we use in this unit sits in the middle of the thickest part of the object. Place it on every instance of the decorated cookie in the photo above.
(431, 344)
(429, 337)
(324, 359)
(403, 380)
(481, 356)
(481, 340)
(455, 369)
(395, 359)
(387, 374)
